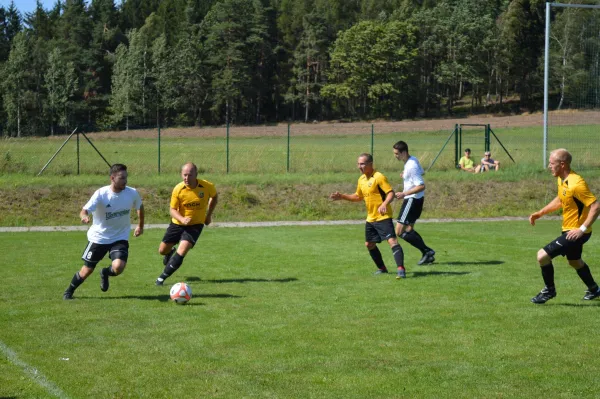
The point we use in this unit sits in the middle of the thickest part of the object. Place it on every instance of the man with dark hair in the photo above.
(374, 189)
(193, 202)
(466, 163)
(580, 210)
(111, 207)
(413, 196)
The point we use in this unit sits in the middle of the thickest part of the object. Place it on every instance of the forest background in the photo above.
(100, 66)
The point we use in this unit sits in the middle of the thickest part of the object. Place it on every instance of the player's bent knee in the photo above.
(118, 264)
(118, 269)
(370, 245)
(543, 258)
(85, 272)
(164, 249)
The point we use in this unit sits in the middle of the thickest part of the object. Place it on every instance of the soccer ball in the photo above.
(181, 293)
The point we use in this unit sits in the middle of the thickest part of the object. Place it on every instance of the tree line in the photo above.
(206, 62)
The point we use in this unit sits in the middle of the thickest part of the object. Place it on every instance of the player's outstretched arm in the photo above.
(552, 206)
(348, 197)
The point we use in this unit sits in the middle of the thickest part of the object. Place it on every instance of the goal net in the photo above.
(572, 82)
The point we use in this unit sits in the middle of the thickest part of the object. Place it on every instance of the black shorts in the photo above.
(94, 253)
(411, 210)
(176, 233)
(571, 249)
(379, 231)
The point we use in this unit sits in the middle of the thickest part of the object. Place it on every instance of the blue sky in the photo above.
(28, 5)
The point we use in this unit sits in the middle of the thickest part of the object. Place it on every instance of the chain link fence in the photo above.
(281, 148)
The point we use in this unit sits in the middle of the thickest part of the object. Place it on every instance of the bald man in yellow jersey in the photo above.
(580, 210)
(193, 202)
(374, 189)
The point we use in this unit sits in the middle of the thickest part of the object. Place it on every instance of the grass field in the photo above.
(294, 312)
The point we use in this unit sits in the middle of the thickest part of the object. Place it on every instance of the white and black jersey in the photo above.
(111, 214)
(413, 176)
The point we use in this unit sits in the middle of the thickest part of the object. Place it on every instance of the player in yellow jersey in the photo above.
(580, 210)
(193, 202)
(374, 189)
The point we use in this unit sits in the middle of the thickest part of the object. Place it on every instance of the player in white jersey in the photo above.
(413, 195)
(111, 208)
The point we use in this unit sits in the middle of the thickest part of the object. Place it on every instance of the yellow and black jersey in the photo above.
(576, 199)
(192, 202)
(374, 190)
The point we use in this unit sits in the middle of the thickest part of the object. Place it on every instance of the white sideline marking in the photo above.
(273, 224)
(33, 373)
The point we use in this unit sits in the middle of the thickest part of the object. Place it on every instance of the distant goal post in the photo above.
(572, 81)
(468, 135)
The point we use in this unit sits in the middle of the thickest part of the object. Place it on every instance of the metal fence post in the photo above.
(456, 145)
(288, 148)
(159, 148)
(78, 155)
(227, 147)
(372, 139)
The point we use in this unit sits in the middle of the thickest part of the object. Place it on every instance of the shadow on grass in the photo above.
(474, 262)
(435, 273)
(162, 298)
(216, 296)
(243, 280)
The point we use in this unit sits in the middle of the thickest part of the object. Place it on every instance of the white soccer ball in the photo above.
(181, 293)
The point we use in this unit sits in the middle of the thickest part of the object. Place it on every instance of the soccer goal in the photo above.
(476, 137)
(572, 82)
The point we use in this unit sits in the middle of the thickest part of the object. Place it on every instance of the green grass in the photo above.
(258, 190)
(293, 312)
(454, 194)
(305, 154)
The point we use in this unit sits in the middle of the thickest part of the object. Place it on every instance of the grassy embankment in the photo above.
(27, 201)
(259, 187)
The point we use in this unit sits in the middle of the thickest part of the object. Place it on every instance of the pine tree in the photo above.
(60, 83)
(191, 75)
(16, 84)
(310, 63)
(227, 28)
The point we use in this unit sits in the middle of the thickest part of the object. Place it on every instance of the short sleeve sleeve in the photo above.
(92, 202)
(175, 197)
(583, 193)
(137, 200)
(384, 184)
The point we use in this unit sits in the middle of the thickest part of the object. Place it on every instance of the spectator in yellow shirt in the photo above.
(466, 163)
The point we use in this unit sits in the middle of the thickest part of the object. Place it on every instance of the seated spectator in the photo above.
(466, 163)
(487, 163)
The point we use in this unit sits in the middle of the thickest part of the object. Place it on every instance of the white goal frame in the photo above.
(547, 66)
